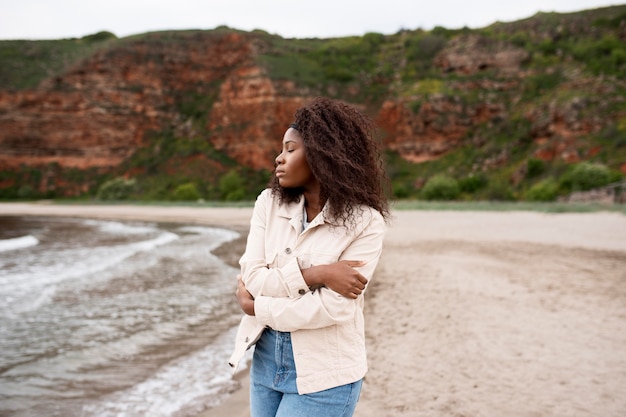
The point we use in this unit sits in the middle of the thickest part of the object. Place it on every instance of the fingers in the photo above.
(362, 280)
(358, 286)
(241, 287)
(355, 264)
(355, 293)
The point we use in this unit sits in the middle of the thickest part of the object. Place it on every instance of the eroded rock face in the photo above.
(98, 113)
(473, 53)
(250, 117)
(435, 129)
(71, 129)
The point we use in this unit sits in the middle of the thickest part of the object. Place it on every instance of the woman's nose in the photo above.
(279, 159)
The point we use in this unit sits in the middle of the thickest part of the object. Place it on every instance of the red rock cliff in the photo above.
(100, 112)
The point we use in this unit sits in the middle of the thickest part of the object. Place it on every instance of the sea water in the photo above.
(105, 318)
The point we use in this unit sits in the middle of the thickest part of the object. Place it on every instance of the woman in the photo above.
(315, 239)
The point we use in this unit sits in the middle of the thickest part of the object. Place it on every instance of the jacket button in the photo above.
(302, 292)
(288, 251)
(247, 339)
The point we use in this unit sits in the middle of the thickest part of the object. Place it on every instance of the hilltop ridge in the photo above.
(173, 108)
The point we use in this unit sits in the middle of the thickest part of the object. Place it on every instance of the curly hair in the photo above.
(343, 156)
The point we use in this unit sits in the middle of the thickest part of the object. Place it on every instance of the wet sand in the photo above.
(470, 313)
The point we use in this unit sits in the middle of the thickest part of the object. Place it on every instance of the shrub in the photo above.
(602, 56)
(472, 183)
(26, 191)
(586, 175)
(99, 37)
(545, 190)
(538, 84)
(534, 167)
(186, 192)
(116, 189)
(232, 186)
(441, 187)
(424, 47)
(236, 195)
(400, 190)
(499, 190)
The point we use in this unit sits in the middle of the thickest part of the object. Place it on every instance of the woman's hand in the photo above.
(340, 277)
(245, 299)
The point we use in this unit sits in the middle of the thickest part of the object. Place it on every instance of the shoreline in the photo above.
(470, 313)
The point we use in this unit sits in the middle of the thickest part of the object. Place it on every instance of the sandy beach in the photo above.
(470, 313)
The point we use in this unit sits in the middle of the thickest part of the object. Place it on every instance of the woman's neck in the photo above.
(313, 204)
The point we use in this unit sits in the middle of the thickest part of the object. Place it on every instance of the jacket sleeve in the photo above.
(258, 277)
(324, 307)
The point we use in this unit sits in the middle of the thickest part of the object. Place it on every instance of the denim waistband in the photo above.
(277, 332)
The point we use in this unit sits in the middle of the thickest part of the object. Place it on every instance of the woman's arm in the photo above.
(349, 282)
(323, 307)
(258, 277)
(340, 277)
(245, 299)
(290, 280)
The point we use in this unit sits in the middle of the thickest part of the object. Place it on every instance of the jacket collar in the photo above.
(293, 212)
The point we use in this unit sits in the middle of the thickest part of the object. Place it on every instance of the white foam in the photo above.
(46, 283)
(219, 236)
(26, 287)
(118, 228)
(184, 387)
(18, 243)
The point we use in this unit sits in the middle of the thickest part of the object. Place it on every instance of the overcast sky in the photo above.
(55, 19)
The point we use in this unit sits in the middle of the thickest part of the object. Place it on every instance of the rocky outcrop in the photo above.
(72, 129)
(473, 53)
(435, 129)
(250, 117)
(559, 127)
(98, 113)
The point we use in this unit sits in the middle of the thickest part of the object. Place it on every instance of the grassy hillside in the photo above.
(576, 64)
(24, 64)
(575, 59)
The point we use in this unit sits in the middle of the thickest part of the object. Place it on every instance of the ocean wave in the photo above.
(100, 324)
(18, 243)
(118, 228)
(26, 288)
(146, 245)
(184, 387)
(220, 236)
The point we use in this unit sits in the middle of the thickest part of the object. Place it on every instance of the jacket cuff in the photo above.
(296, 283)
(262, 311)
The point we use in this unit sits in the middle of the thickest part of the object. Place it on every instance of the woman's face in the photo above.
(292, 169)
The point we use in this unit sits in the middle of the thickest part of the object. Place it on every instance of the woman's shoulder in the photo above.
(268, 199)
(369, 216)
(267, 196)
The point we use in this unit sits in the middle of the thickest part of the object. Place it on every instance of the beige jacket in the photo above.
(327, 329)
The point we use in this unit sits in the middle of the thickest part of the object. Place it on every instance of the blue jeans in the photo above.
(273, 391)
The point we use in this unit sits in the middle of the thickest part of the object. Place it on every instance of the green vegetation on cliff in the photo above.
(526, 110)
(24, 64)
